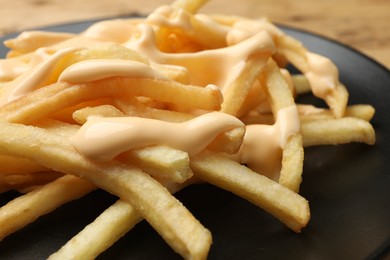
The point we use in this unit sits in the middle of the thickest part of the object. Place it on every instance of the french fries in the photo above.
(27, 208)
(219, 76)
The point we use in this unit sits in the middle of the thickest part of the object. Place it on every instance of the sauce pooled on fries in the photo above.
(105, 138)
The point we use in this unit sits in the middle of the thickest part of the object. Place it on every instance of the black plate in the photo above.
(347, 186)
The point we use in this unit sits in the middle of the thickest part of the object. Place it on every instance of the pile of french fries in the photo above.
(39, 158)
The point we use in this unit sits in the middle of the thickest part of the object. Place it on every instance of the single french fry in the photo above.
(160, 161)
(15, 165)
(277, 88)
(362, 111)
(179, 228)
(135, 107)
(96, 237)
(255, 98)
(235, 94)
(309, 113)
(58, 127)
(337, 131)
(301, 84)
(191, 6)
(66, 114)
(286, 205)
(26, 182)
(81, 115)
(27, 208)
(228, 142)
(24, 43)
(280, 98)
(177, 73)
(292, 158)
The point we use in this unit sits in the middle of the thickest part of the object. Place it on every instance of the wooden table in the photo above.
(361, 24)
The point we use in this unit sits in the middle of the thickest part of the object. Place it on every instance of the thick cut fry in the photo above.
(14, 165)
(26, 182)
(161, 162)
(281, 97)
(301, 84)
(81, 115)
(112, 224)
(27, 208)
(365, 112)
(166, 214)
(277, 88)
(191, 6)
(50, 99)
(133, 107)
(235, 94)
(337, 131)
(286, 205)
(292, 158)
(228, 142)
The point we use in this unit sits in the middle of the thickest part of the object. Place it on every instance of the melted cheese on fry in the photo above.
(235, 43)
(35, 77)
(262, 146)
(322, 74)
(92, 70)
(105, 138)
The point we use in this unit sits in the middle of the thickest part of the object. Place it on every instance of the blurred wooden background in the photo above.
(361, 24)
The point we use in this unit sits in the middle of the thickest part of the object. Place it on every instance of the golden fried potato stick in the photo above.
(277, 88)
(81, 115)
(236, 93)
(179, 228)
(337, 131)
(161, 162)
(228, 142)
(66, 114)
(301, 84)
(26, 182)
(281, 97)
(25, 44)
(292, 163)
(191, 6)
(134, 107)
(362, 111)
(287, 206)
(99, 235)
(28, 207)
(255, 99)
(47, 100)
(15, 165)
(105, 230)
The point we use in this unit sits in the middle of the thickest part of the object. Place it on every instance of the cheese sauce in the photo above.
(262, 146)
(105, 138)
(91, 70)
(34, 78)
